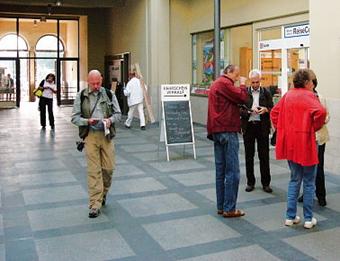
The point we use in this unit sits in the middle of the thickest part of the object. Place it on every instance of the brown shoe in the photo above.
(220, 212)
(235, 213)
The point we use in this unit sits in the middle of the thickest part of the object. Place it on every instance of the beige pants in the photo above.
(100, 156)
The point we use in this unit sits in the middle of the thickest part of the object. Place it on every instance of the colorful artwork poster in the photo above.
(208, 62)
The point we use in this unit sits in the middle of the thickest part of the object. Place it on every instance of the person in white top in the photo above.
(135, 98)
(48, 87)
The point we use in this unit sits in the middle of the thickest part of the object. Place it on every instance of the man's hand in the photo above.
(243, 80)
(92, 121)
(261, 110)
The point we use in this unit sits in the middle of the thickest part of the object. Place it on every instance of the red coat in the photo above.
(296, 117)
(223, 110)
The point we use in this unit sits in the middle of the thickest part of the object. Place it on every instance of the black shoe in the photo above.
(43, 127)
(142, 128)
(300, 199)
(94, 212)
(322, 202)
(104, 200)
(267, 189)
(128, 127)
(249, 188)
(52, 128)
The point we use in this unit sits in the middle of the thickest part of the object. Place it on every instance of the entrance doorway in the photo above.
(31, 48)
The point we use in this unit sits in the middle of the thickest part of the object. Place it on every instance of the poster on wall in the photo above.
(208, 62)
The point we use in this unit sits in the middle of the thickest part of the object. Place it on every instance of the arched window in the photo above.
(47, 46)
(9, 45)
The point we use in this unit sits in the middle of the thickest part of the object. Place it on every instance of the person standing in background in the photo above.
(49, 88)
(9, 87)
(256, 127)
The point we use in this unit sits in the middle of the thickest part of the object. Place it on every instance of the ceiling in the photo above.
(66, 3)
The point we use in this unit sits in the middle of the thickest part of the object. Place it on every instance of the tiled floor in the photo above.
(156, 210)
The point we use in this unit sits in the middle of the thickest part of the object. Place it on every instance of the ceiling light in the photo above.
(58, 3)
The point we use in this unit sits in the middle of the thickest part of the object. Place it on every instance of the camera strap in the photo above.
(95, 105)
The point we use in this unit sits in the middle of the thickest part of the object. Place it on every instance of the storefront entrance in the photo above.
(280, 58)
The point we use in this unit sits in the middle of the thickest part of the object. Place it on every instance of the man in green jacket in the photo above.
(95, 112)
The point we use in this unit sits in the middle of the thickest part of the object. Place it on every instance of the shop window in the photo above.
(270, 33)
(235, 48)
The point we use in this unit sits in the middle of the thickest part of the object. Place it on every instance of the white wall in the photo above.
(325, 61)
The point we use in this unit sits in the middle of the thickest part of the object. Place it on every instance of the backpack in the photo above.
(84, 130)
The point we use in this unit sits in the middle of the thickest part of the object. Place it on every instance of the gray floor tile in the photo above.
(189, 231)
(322, 245)
(127, 170)
(43, 219)
(177, 165)
(333, 201)
(241, 253)
(2, 252)
(99, 245)
(140, 147)
(156, 205)
(208, 193)
(54, 194)
(1, 226)
(47, 178)
(135, 186)
(272, 216)
(150, 156)
(39, 165)
(196, 178)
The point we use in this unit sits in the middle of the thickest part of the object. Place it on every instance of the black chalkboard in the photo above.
(178, 122)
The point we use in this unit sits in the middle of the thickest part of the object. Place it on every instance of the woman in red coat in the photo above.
(296, 117)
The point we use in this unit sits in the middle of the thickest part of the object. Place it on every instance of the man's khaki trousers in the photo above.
(100, 156)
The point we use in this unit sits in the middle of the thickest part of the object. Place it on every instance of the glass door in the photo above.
(68, 80)
(297, 58)
(271, 68)
(9, 90)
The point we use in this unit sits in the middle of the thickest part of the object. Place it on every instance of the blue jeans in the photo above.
(226, 147)
(297, 174)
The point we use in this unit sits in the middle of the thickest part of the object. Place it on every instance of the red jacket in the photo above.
(297, 116)
(223, 110)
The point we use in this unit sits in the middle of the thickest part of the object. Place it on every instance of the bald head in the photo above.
(94, 80)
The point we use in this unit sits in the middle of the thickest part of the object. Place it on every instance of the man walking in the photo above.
(256, 127)
(95, 110)
(223, 126)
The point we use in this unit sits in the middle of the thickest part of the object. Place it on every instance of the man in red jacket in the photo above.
(222, 126)
(296, 117)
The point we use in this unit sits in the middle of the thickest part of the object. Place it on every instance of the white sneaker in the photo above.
(290, 222)
(310, 224)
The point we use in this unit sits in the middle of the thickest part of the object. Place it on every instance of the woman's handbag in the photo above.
(38, 92)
